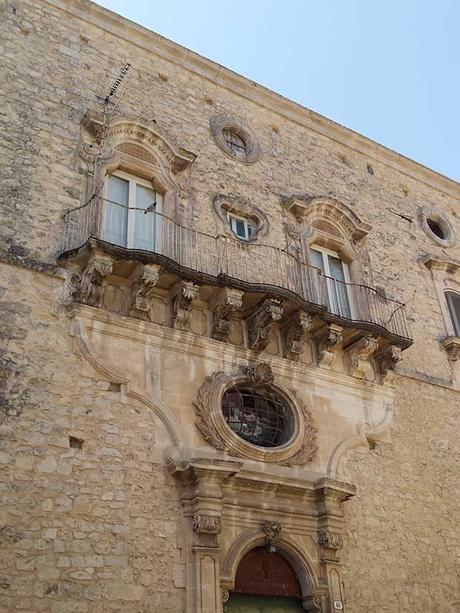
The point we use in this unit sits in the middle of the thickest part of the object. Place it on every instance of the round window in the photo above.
(235, 143)
(436, 225)
(437, 228)
(258, 416)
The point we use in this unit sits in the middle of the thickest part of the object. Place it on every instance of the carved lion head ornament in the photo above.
(297, 448)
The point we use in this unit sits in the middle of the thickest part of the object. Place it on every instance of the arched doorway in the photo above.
(265, 583)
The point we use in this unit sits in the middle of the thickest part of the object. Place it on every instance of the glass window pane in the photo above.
(453, 301)
(336, 268)
(240, 228)
(144, 223)
(116, 211)
(317, 259)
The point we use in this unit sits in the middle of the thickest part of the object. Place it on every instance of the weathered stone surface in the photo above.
(99, 526)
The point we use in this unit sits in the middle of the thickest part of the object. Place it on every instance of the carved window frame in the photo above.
(104, 152)
(224, 205)
(333, 226)
(446, 278)
(228, 123)
(301, 448)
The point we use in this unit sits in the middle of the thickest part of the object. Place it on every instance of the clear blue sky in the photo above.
(389, 69)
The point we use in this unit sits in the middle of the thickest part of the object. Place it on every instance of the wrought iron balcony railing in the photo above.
(221, 259)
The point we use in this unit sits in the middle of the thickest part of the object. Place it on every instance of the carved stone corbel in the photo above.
(452, 345)
(143, 290)
(328, 340)
(206, 524)
(387, 363)
(360, 354)
(259, 323)
(227, 301)
(92, 281)
(72, 288)
(184, 293)
(313, 603)
(296, 331)
(329, 543)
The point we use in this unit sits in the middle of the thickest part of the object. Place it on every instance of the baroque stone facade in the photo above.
(136, 333)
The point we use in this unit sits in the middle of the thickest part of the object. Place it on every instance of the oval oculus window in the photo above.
(258, 415)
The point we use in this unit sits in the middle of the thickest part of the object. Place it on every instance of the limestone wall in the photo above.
(97, 528)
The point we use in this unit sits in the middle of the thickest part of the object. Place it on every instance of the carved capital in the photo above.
(360, 354)
(329, 543)
(387, 363)
(92, 281)
(228, 301)
(328, 340)
(313, 603)
(143, 290)
(452, 345)
(206, 524)
(259, 323)
(296, 331)
(184, 293)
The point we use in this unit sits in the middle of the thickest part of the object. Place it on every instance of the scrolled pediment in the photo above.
(337, 218)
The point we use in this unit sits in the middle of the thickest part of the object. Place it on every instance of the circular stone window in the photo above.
(235, 138)
(436, 225)
(258, 416)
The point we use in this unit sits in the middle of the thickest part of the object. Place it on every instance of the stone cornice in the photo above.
(193, 62)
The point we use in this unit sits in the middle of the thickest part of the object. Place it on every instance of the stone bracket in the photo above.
(183, 295)
(228, 301)
(360, 354)
(295, 332)
(328, 340)
(329, 543)
(452, 345)
(92, 279)
(387, 362)
(142, 291)
(261, 320)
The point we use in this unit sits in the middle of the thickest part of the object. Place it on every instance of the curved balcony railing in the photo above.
(232, 261)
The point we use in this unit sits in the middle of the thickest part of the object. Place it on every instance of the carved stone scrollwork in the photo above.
(143, 290)
(331, 337)
(360, 354)
(313, 604)
(225, 595)
(91, 288)
(260, 373)
(330, 544)
(260, 322)
(72, 287)
(271, 529)
(206, 524)
(228, 301)
(452, 345)
(184, 294)
(296, 332)
(388, 361)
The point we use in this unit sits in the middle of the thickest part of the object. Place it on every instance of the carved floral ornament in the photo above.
(301, 447)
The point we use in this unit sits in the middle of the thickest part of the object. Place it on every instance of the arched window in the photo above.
(453, 303)
(130, 212)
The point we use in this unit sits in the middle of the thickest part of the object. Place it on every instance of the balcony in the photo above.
(220, 261)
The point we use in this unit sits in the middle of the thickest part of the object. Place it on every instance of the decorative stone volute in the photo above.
(387, 362)
(227, 301)
(92, 279)
(271, 529)
(330, 543)
(452, 345)
(260, 373)
(360, 354)
(142, 291)
(296, 331)
(328, 339)
(259, 323)
(183, 295)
